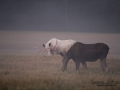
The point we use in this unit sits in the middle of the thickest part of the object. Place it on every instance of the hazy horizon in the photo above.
(24, 42)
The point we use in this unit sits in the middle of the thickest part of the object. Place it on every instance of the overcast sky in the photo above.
(61, 15)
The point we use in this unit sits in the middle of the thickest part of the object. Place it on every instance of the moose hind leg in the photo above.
(104, 65)
(84, 65)
(77, 65)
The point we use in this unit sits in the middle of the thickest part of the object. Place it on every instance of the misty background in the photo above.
(25, 24)
(61, 15)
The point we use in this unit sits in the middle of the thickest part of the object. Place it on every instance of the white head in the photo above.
(50, 46)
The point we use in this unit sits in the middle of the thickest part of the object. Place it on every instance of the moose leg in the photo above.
(65, 61)
(77, 65)
(64, 66)
(104, 65)
(84, 65)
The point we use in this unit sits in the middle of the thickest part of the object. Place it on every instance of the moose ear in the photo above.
(49, 44)
(44, 45)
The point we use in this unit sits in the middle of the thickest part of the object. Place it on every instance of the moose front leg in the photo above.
(77, 65)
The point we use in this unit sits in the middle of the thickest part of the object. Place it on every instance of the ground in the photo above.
(36, 72)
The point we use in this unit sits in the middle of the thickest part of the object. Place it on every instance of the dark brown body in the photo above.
(80, 52)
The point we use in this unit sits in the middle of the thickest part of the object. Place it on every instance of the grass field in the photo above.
(36, 72)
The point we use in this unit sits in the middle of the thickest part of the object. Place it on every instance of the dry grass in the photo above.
(35, 72)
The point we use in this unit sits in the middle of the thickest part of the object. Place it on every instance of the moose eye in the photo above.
(43, 45)
(49, 44)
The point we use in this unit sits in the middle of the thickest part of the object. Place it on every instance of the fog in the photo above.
(61, 15)
(24, 42)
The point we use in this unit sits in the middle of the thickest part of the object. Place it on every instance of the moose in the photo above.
(82, 53)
